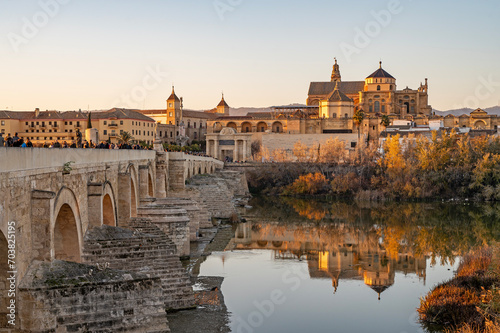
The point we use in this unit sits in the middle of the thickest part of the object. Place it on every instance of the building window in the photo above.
(132, 132)
(390, 87)
(169, 105)
(3, 123)
(43, 123)
(50, 123)
(371, 108)
(121, 122)
(71, 123)
(143, 124)
(189, 124)
(121, 132)
(195, 135)
(412, 109)
(105, 132)
(377, 106)
(105, 122)
(346, 116)
(171, 134)
(383, 108)
(37, 123)
(26, 123)
(378, 87)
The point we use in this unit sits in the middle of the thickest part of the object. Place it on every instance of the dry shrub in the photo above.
(309, 184)
(458, 302)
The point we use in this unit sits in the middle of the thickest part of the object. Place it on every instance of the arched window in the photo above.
(383, 108)
(378, 87)
(377, 106)
(334, 115)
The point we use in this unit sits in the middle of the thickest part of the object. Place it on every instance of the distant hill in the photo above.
(458, 112)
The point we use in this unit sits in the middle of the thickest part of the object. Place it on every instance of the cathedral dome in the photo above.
(380, 73)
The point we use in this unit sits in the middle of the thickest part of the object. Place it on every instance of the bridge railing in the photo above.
(18, 159)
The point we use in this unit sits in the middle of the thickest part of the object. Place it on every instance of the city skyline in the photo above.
(69, 55)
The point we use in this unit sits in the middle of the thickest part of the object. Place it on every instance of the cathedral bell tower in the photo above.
(336, 72)
(173, 109)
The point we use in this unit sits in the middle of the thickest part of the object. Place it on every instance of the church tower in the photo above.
(223, 108)
(173, 109)
(336, 72)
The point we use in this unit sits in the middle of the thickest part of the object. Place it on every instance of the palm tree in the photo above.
(126, 137)
(386, 121)
(358, 117)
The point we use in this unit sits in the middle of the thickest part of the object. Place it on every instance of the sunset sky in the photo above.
(79, 54)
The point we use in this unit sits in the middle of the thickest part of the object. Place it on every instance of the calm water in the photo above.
(309, 266)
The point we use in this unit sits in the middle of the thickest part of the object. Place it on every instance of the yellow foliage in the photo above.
(309, 184)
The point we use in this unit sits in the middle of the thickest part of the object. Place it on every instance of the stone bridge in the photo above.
(53, 209)
(51, 198)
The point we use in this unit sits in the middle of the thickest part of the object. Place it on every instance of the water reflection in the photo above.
(333, 251)
(379, 258)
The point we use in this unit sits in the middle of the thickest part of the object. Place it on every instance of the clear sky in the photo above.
(72, 54)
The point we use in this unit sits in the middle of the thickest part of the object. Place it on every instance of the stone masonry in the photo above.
(145, 249)
(68, 297)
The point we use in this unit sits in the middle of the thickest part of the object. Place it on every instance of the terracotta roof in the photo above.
(198, 114)
(260, 115)
(325, 88)
(155, 112)
(338, 96)
(223, 103)
(16, 114)
(119, 114)
(233, 118)
(173, 96)
(380, 73)
(73, 115)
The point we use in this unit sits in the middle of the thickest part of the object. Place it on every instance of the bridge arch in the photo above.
(134, 195)
(66, 227)
(108, 205)
(151, 183)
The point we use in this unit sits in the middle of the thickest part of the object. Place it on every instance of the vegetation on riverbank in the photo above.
(470, 302)
(447, 166)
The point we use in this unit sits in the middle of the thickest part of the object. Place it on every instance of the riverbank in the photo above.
(470, 302)
(446, 167)
(211, 314)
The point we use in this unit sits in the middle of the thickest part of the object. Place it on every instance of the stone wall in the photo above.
(287, 141)
(144, 249)
(69, 297)
(220, 192)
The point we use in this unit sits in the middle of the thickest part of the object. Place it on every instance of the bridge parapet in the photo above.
(20, 159)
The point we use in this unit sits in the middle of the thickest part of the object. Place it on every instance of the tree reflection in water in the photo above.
(368, 241)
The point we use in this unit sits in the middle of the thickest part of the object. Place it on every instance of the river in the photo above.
(329, 266)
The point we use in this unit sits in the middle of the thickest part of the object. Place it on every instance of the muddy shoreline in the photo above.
(211, 314)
